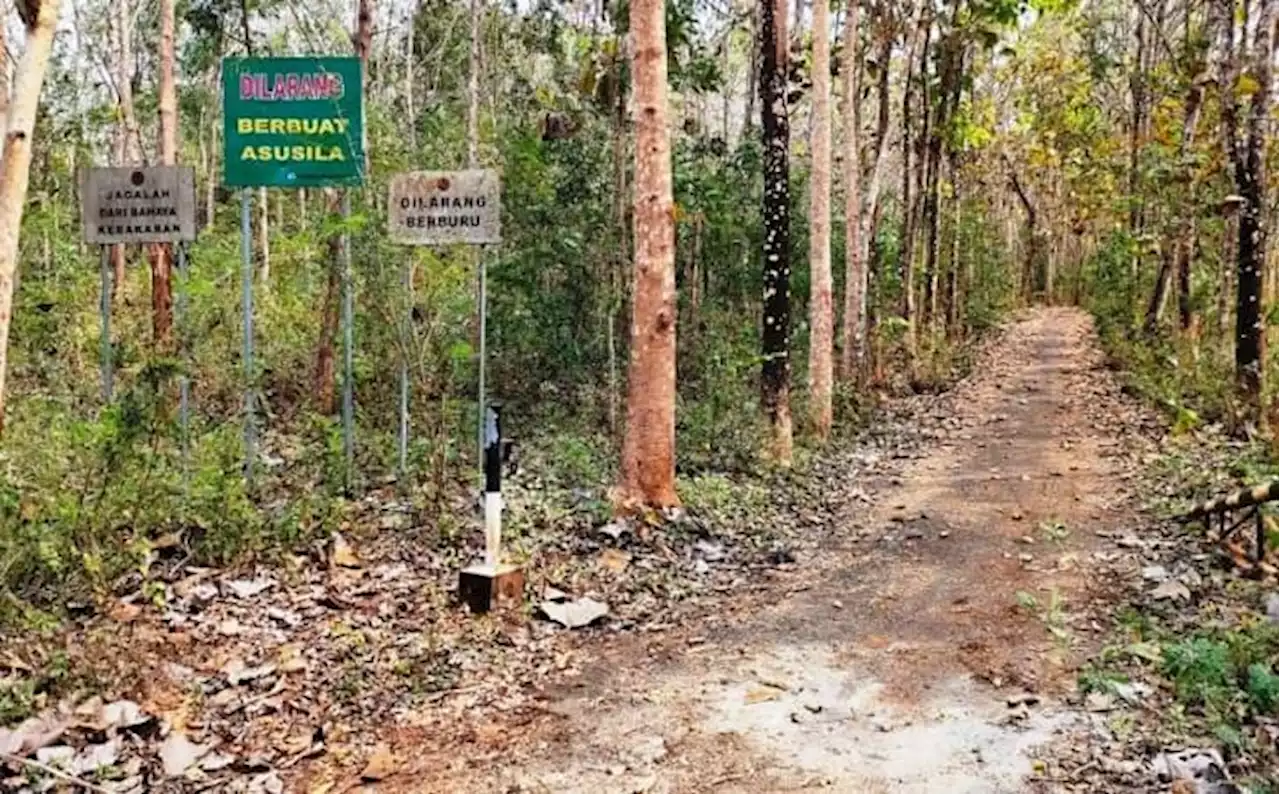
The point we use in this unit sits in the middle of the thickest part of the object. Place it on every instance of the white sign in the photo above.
(444, 207)
(138, 205)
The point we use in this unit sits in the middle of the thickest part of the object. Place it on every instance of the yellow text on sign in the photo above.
(289, 126)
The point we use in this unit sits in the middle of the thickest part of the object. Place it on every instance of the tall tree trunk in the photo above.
(1226, 273)
(949, 68)
(323, 375)
(648, 450)
(753, 70)
(1177, 259)
(410, 58)
(775, 379)
(953, 265)
(4, 83)
(15, 162)
(907, 251)
(821, 323)
(1032, 261)
(1247, 158)
(855, 270)
(473, 87)
(128, 142)
(858, 324)
(322, 388)
(622, 249)
(1159, 295)
(162, 255)
(1137, 123)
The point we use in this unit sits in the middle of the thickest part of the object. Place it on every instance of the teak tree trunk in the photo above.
(855, 269)
(907, 252)
(648, 450)
(128, 140)
(4, 85)
(161, 256)
(821, 323)
(775, 133)
(15, 162)
(322, 385)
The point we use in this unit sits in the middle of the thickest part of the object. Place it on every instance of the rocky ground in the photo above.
(910, 612)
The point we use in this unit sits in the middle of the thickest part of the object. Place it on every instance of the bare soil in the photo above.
(887, 662)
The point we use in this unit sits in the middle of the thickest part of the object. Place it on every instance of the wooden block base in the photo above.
(484, 587)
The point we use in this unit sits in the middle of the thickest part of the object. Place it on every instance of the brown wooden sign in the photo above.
(446, 207)
(138, 205)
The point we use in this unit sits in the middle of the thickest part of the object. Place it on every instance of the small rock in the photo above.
(1191, 764)
(1171, 589)
(711, 552)
(59, 756)
(238, 673)
(284, 616)
(245, 588)
(178, 754)
(575, 614)
(614, 529)
(96, 756)
(215, 762)
(1155, 573)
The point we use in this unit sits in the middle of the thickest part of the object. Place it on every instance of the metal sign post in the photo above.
(184, 350)
(133, 205)
(295, 123)
(246, 312)
(482, 298)
(406, 328)
(105, 344)
(444, 208)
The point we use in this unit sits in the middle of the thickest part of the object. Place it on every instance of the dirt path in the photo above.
(889, 663)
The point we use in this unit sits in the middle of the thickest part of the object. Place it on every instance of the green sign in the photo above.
(292, 122)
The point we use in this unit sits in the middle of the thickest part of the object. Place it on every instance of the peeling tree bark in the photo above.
(15, 164)
(821, 323)
(775, 131)
(648, 450)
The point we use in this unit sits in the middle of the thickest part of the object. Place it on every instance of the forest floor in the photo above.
(913, 616)
(888, 661)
